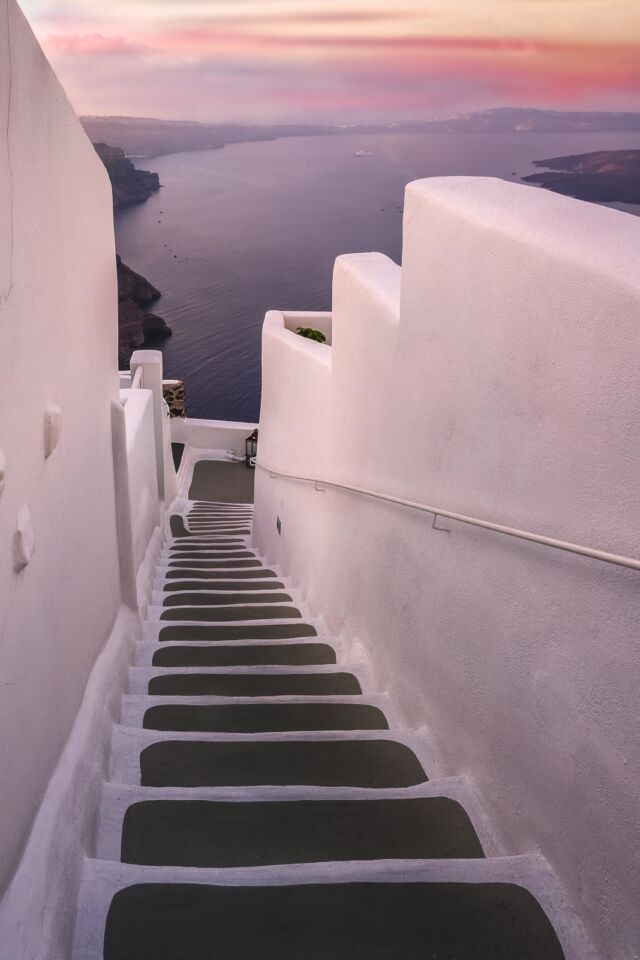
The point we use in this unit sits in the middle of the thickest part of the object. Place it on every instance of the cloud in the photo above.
(95, 45)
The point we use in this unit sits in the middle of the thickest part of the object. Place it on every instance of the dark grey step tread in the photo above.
(342, 921)
(183, 599)
(210, 547)
(223, 510)
(206, 540)
(286, 654)
(196, 562)
(221, 481)
(194, 633)
(209, 570)
(219, 519)
(177, 525)
(201, 833)
(197, 524)
(226, 554)
(203, 515)
(243, 585)
(264, 717)
(223, 614)
(255, 685)
(326, 763)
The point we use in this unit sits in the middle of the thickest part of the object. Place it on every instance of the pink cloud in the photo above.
(95, 45)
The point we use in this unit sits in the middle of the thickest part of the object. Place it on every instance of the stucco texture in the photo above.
(495, 376)
(58, 333)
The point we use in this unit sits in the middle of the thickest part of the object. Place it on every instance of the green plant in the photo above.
(311, 334)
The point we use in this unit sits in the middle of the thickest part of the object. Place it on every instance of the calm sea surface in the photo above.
(257, 226)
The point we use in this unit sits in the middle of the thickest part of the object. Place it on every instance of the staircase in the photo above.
(258, 806)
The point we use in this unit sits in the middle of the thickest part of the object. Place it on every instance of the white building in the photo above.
(469, 414)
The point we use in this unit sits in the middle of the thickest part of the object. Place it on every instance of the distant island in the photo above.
(605, 176)
(143, 138)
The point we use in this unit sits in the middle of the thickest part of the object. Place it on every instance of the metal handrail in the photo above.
(436, 512)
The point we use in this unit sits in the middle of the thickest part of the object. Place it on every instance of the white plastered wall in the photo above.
(58, 349)
(497, 378)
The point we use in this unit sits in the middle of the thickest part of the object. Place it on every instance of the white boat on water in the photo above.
(362, 153)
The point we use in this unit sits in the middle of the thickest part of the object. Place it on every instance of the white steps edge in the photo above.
(134, 706)
(102, 879)
(154, 615)
(116, 798)
(151, 630)
(139, 676)
(129, 742)
(145, 649)
(158, 596)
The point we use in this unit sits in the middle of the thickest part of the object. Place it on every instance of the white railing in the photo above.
(136, 381)
(593, 554)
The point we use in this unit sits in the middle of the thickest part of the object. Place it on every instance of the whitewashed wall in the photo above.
(497, 378)
(58, 305)
(142, 475)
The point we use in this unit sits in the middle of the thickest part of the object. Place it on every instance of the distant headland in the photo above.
(137, 327)
(144, 138)
(128, 184)
(605, 176)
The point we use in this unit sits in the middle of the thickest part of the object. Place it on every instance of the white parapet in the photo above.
(495, 375)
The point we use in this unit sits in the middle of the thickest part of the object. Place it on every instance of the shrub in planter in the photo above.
(311, 334)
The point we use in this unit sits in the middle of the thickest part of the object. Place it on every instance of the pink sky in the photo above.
(324, 60)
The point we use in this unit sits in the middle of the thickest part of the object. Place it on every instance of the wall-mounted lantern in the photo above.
(251, 449)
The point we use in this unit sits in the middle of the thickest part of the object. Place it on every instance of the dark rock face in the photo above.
(135, 324)
(605, 176)
(133, 286)
(129, 185)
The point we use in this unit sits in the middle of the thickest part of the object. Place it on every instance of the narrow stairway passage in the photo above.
(246, 745)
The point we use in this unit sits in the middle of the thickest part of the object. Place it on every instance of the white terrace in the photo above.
(389, 709)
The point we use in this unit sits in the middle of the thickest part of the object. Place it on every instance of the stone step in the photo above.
(204, 549)
(237, 613)
(134, 707)
(292, 654)
(184, 598)
(161, 587)
(193, 633)
(353, 763)
(201, 833)
(221, 554)
(246, 684)
(128, 742)
(214, 572)
(272, 717)
(203, 540)
(470, 909)
(117, 797)
(205, 506)
(199, 562)
(179, 528)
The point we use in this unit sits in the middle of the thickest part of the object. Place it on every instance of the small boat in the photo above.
(362, 153)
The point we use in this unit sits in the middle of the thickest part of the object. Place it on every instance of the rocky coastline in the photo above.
(137, 326)
(605, 176)
(129, 185)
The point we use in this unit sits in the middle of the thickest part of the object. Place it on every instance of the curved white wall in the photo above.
(58, 308)
(496, 377)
